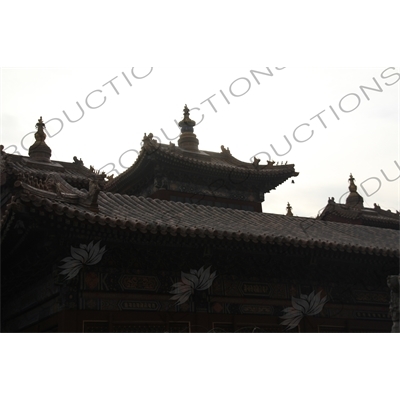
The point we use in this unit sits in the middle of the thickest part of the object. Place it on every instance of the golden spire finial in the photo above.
(352, 187)
(39, 151)
(40, 135)
(187, 124)
(188, 140)
(354, 200)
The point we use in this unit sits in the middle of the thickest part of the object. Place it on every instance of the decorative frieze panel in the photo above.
(256, 289)
(109, 304)
(116, 282)
(256, 309)
(234, 287)
(218, 308)
(91, 304)
(363, 296)
(139, 283)
(371, 315)
(136, 305)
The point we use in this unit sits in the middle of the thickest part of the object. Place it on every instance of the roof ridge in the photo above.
(164, 217)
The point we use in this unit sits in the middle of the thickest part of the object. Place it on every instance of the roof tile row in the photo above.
(164, 217)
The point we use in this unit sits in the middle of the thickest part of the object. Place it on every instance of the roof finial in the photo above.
(40, 135)
(39, 151)
(289, 209)
(352, 187)
(188, 140)
(186, 111)
(354, 200)
(187, 124)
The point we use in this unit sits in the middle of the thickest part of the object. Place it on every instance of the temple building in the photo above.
(179, 243)
(186, 174)
(354, 212)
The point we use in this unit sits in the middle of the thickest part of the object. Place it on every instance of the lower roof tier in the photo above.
(156, 217)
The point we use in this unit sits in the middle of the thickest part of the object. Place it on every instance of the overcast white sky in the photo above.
(363, 142)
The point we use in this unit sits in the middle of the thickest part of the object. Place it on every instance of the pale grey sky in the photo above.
(364, 142)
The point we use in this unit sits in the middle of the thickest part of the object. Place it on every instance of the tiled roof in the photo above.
(369, 215)
(74, 173)
(204, 161)
(169, 218)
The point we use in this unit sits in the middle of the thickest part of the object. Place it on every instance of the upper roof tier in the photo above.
(186, 169)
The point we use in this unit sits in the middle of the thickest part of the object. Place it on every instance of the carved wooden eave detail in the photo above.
(207, 163)
(57, 189)
(21, 168)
